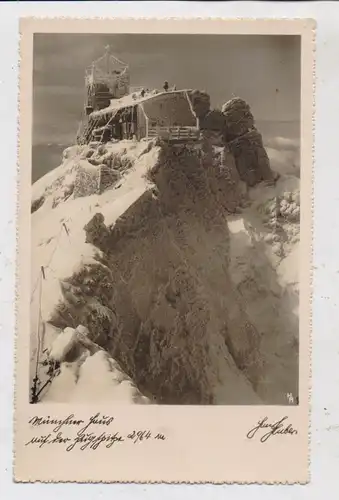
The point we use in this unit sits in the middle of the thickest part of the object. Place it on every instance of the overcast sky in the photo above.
(264, 70)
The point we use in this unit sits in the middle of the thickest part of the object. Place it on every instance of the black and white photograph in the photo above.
(165, 219)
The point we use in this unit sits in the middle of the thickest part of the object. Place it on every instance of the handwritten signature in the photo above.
(275, 428)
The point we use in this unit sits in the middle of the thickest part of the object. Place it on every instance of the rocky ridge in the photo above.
(175, 271)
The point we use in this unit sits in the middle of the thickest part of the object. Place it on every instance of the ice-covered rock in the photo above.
(238, 118)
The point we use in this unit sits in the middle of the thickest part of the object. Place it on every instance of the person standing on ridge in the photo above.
(165, 87)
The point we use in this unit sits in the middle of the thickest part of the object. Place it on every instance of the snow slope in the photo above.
(59, 246)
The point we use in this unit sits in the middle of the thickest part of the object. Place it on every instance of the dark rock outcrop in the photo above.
(97, 232)
(214, 120)
(245, 143)
(251, 159)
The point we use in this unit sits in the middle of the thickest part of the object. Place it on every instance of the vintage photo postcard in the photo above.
(164, 251)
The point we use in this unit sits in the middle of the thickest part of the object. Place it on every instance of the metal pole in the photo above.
(107, 59)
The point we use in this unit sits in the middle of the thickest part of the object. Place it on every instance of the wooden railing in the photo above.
(174, 133)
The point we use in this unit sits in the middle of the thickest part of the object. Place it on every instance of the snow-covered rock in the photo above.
(89, 373)
(184, 301)
(264, 267)
(63, 344)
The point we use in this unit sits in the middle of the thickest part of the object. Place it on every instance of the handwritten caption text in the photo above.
(97, 431)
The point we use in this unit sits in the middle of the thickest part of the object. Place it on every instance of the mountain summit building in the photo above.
(115, 111)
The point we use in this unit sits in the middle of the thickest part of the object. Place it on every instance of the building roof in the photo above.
(128, 100)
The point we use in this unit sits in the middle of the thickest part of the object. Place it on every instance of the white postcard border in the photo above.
(180, 458)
